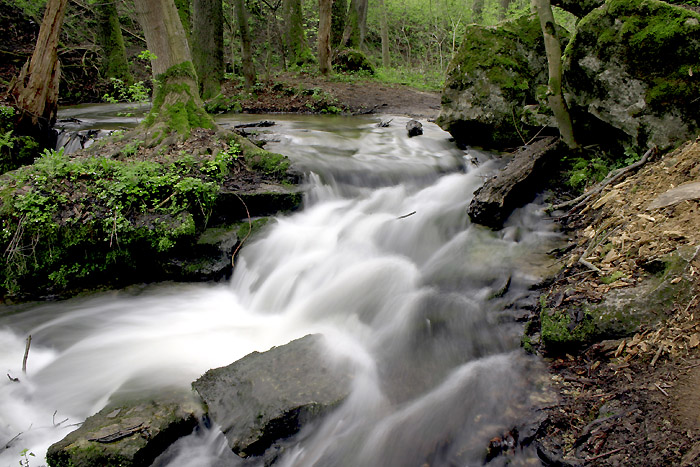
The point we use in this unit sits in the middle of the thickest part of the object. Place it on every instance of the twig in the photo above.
(661, 389)
(14, 380)
(593, 244)
(611, 178)
(406, 215)
(8, 445)
(605, 454)
(686, 368)
(536, 135)
(657, 355)
(250, 230)
(53, 419)
(515, 125)
(26, 353)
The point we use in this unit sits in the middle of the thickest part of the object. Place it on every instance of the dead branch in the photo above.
(606, 454)
(612, 177)
(14, 380)
(8, 445)
(26, 353)
(53, 419)
(406, 215)
(116, 436)
(661, 389)
(591, 246)
(250, 230)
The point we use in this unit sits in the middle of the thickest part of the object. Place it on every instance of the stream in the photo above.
(382, 260)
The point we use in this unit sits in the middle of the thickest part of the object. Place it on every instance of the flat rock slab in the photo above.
(514, 186)
(685, 192)
(129, 432)
(265, 397)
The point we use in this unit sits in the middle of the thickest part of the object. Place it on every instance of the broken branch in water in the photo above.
(250, 230)
(406, 215)
(8, 445)
(14, 380)
(26, 353)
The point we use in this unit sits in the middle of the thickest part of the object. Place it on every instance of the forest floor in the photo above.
(631, 401)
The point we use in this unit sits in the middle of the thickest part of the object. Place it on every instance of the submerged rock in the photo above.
(265, 397)
(128, 432)
(632, 71)
(414, 128)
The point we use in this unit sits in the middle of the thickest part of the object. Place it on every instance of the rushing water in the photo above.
(382, 260)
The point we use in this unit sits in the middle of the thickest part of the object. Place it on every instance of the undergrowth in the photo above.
(583, 171)
(71, 221)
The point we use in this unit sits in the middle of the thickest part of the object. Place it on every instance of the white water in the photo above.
(405, 299)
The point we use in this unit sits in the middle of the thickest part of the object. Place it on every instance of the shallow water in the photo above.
(382, 260)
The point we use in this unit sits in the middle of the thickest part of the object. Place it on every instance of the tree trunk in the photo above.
(504, 9)
(35, 90)
(176, 103)
(477, 11)
(109, 36)
(208, 45)
(553, 50)
(325, 8)
(384, 31)
(185, 14)
(356, 25)
(294, 36)
(246, 53)
(339, 13)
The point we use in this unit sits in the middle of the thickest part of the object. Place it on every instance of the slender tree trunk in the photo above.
(553, 50)
(177, 106)
(384, 31)
(208, 45)
(356, 24)
(35, 90)
(109, 36)
(339, 13)
(183, 10)
(294, 35)
(504, 9)
(477, 11)
(246, 53)
(325, 8)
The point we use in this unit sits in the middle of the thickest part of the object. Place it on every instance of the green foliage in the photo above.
(24, 453)
(584, 172)
(122, 92)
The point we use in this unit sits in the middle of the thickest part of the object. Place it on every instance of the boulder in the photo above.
(632, 68)
(498, 74)
(269, 396)
(128, 431)
(514, 186)
(414, 128)
(352, 61)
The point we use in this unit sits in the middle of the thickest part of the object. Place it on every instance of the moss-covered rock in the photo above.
(623, 311)
(352, 61)
(632, 66)
(495, 74)
(128, 432)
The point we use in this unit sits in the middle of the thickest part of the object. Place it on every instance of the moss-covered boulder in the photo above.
(578, 7)
(497, 73)
(352, 61)
(633, 69)
(128, 432)
(622, 311)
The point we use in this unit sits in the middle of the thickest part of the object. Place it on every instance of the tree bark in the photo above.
(185, 14)
(384, 31)
(553, 51)
(177, 106)
(35, 90)
(294, 36)
(355, 25)
(246, 53)
(339, 13)
(109, 36)
(324, 35)
(208, 45)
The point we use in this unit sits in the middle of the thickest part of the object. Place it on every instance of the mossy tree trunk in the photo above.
(553, 51)
(246, 49)
(384, 31)
(109, 36)
(35, 90)
(356, 24)
(185, 13)
(325, 8)
(177, 106)
(339, 13)
(294, 36)
(208, 45)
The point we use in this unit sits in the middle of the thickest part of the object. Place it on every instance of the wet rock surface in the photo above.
(129, 431)
(265, 397)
